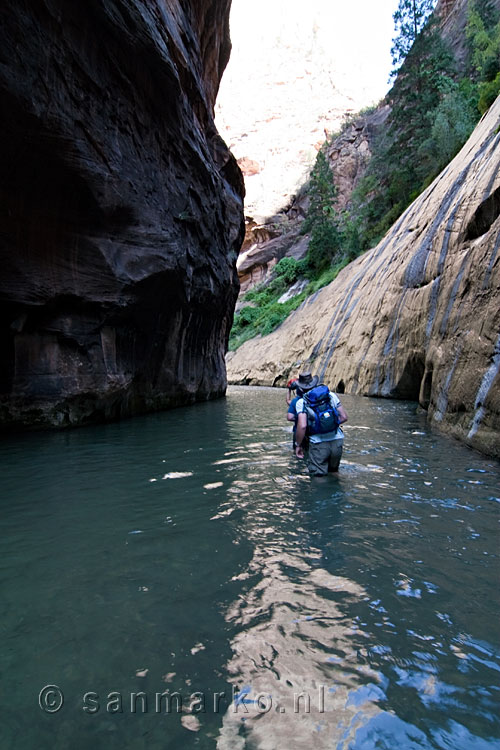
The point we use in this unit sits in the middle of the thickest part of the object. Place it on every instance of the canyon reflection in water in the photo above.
(189, 552)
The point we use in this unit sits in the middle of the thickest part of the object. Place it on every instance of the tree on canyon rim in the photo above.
(434, 108)
(409, 19)
(483, 41)
(421, 82)
(423, 69)
(322, 220)
(423, 66)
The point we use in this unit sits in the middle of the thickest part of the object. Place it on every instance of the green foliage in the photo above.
(273, 319)
(326, 277)
(268, 313)
(247, 316)
(252, 294)
(351, 237)
(323, 245)
(409, 20)
(321, 192)
(483, 38)
(450, 123)
(403, 156)
(380, 196)
(488, 92)
(433, 112)
(289, 269)
(264, 320)
(488, 11)
(322, 221)
(426, 75)
(332, 242)
(400, 165)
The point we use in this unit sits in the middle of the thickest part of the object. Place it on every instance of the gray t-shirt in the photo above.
(324, 436)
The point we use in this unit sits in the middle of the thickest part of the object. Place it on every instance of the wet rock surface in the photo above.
(121, 209)
(418, 316)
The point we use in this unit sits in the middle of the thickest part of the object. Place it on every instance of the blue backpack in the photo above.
(321, 415)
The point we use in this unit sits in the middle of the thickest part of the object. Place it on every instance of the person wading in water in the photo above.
(320, 415)
(291, 414)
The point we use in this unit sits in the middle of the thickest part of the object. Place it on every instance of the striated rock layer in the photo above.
(121, 208)
(418, 316)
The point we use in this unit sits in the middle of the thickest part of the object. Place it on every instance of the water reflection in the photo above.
(329, 648)
(190, 552)
(293, 653)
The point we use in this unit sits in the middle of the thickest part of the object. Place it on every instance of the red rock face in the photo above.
(122, 210)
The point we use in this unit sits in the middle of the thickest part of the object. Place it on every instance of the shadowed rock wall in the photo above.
(418, 316)
(121, 212)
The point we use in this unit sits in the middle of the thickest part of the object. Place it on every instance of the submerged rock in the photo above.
(122, 209)
(418, 316)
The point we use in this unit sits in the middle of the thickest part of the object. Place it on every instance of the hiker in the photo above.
(291, 386)
(320, 415)
(291, 414)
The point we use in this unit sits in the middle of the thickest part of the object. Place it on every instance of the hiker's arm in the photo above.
(290, 417)
(342, 414)
(288, 396)
(300, 434)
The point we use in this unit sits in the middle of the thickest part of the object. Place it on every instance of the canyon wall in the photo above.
(264, 245)
(348, 154)
(418, 316)
(294, 74)
(122, 208)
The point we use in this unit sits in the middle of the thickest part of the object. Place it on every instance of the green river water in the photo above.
(189, 553)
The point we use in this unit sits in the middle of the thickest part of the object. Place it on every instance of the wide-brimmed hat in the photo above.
(307, 381)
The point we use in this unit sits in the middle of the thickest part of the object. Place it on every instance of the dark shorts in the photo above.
(324, 457)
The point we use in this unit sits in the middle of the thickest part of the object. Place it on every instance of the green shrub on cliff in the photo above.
(409, 20)
(450, 123)
(483, 39)
(434, 110)
(488, 92)
(265, 313)
(333, 242)
(289, 269)
(263, 319)
(322, 221)
(248, 315)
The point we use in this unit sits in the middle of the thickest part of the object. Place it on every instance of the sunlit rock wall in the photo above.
(121, 208)
(348, 154)
(418, 316)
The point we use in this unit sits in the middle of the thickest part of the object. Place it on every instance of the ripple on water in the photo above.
(356, 612)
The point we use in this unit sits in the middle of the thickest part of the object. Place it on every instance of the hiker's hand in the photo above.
(299, 451)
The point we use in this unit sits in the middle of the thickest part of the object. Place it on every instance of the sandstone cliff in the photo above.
(121, 208)
(349, 154)
(264, 245)
(453, 20)
(418, 316)
(296, 69)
